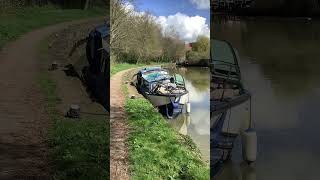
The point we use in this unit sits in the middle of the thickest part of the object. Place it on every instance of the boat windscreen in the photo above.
(223, 58)
(179, 79)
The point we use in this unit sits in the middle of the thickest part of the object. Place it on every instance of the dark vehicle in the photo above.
(97, 75)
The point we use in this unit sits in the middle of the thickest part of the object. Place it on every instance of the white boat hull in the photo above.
(184, 99)
(163, 100)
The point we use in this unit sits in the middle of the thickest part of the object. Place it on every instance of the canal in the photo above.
(280, 66)
(197, 123)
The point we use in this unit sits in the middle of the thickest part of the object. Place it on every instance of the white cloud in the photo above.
(128, 6)
(188, 27)
(201, 4)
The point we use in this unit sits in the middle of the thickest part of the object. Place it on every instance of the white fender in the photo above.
(188, 107)
(249, 145)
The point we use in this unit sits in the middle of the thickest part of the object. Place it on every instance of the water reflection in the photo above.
(196, 123)
(280, 67)
(241, 171)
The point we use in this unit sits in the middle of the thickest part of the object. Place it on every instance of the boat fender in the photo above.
(188, 107)
(249, 145)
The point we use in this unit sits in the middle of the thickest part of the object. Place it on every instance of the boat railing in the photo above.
(230, 70)
(217, 107)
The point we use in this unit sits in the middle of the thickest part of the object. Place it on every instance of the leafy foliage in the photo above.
(200, 50)
(138, 38)
(201, 45)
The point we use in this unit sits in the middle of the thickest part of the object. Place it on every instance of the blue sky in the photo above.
(170, 7)
(189, 18)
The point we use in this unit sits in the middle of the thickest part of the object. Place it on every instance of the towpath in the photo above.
(118, 129)
(23, 121)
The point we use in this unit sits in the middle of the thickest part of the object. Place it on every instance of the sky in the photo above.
(190, 18)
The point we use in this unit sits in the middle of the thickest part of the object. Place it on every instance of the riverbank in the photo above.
(156, 150)
(23, 20)
(35, 142)
(115, 68)
(198, 63)
(78, 148)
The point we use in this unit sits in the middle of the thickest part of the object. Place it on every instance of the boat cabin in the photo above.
(227, 92)
(226, 85)
(166, 92)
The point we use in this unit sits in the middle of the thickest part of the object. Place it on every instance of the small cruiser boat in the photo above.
(95, 72)
(230, 107)
(165, 91)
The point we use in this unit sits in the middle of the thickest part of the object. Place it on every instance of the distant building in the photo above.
(188, 46)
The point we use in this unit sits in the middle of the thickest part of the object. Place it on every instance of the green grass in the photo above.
(115, 68)
(79, 149)
(24, 20)
(156, 151)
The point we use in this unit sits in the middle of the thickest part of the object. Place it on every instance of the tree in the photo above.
(86, 5)
(138, 38)
(202, 44)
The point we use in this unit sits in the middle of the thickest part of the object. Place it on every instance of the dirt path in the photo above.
(119, 129)
(23, 121)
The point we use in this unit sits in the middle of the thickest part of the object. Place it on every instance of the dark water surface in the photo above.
(197, 123)
(280, 65)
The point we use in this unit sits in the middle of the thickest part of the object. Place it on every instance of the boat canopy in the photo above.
(224, 60)
(153, 74)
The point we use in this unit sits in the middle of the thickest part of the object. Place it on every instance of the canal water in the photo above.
(197, 123)
(280, 65)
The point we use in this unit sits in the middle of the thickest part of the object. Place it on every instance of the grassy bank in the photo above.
(115, 68)
(157, 151)
(79, 149)
(15, 24)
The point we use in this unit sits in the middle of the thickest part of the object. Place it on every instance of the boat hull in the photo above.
(161, 100)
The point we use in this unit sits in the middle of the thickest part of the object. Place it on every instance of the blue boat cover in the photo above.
(144, 70)
(155, 74)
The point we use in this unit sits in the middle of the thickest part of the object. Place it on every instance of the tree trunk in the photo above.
(86, 6)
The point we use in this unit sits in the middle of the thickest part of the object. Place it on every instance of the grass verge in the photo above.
(157, 151)
(26, 19)
(79, 149)
(115, 68)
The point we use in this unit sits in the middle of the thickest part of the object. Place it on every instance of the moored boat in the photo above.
(166, 92)
(230, 107)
